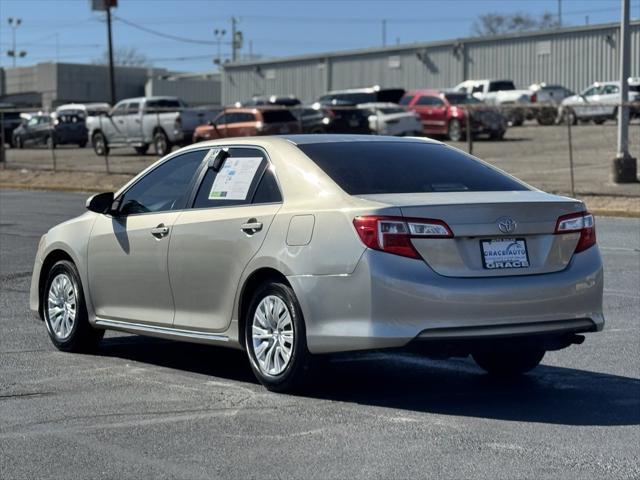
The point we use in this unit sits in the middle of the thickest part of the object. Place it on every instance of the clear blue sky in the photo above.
(69, 31)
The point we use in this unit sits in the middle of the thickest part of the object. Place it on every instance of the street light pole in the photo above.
(624, 166)
(14, 23)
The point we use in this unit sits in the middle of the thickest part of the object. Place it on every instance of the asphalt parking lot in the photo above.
(152, 408)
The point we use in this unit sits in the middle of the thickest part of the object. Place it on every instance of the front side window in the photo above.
(591, 91)
(165, 188)
(133, 107)
(119, 109)
(244, 178)
(610, 89)
(367, 168)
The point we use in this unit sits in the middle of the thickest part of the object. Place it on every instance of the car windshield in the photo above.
(363, 168)
(460, 99)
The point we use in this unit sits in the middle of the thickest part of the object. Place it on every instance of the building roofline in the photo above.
(423, 45)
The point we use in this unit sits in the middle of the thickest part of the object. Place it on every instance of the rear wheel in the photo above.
(599, 121)
(50, 142)
(100, 145)
(508, 363)
(82, 144)
(65, 313)
(19, 143)
(161, 144)
(275, 338)
(454, 132)
(573, 118)
(497, 135)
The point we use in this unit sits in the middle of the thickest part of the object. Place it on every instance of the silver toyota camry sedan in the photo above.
(294, 247)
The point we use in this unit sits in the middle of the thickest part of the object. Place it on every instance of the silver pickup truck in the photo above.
(141, 122)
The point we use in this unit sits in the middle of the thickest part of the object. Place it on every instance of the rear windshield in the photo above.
(278, 116)
(366, 168)
(406, 100)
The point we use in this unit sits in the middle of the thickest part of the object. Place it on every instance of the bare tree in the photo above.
(498, 24)
(124, 57)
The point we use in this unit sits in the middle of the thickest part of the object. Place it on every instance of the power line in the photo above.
(164, 35)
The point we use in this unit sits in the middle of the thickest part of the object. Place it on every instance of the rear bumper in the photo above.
(388, 301)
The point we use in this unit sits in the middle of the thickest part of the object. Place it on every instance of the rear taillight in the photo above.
(534, 97)
(582, 223)
(394, 234)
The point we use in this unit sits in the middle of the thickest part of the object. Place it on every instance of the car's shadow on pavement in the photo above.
(549, 394)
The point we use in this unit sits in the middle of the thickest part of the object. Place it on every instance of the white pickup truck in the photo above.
(141, 122)
(500, 93)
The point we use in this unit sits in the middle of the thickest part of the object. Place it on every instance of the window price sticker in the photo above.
(234, 178)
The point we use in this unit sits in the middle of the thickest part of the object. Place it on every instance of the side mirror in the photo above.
(100, 203)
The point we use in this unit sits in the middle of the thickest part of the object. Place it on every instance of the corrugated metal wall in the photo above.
(571, 57)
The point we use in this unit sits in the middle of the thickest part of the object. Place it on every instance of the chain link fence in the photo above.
(567, 152)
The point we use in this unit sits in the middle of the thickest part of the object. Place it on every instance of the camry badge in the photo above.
(507, 225)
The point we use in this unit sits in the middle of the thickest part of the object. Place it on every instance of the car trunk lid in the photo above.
(495, 233)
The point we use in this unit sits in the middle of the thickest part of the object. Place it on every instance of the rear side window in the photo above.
(406, 100)
(499, 86)
(240, 186)
(366, 168)
(278, 116)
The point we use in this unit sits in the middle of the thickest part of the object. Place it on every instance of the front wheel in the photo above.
(454, 131)
(275, 338)
(65, 313)
(508, 363)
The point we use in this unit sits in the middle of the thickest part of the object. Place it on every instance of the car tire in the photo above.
(161, 144)
(599, 121)
(142, 150)
(508, 363)
(19, 143)
(82, 144)
(100, 145)
(454, 131)
(268, 350)
(571, 115)
(497, 135)
(65, 312)
(50, 142)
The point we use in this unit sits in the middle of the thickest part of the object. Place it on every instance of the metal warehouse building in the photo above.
(50, 84)
(573, 57)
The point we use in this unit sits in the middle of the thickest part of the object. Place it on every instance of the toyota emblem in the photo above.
(507, 225)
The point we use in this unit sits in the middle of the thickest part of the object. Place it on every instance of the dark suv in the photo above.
(43, 129)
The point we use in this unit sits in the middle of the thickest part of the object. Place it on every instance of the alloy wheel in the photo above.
(272, 335)
(61, 306)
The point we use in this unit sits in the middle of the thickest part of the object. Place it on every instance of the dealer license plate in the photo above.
(499, 253)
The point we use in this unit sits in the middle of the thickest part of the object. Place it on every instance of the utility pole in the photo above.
(384, 33)
(233, 39)
(559, 13)
(624, 167)
(112, 80)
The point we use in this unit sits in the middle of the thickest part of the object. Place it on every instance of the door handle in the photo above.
(160, 231)
(251, 227)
